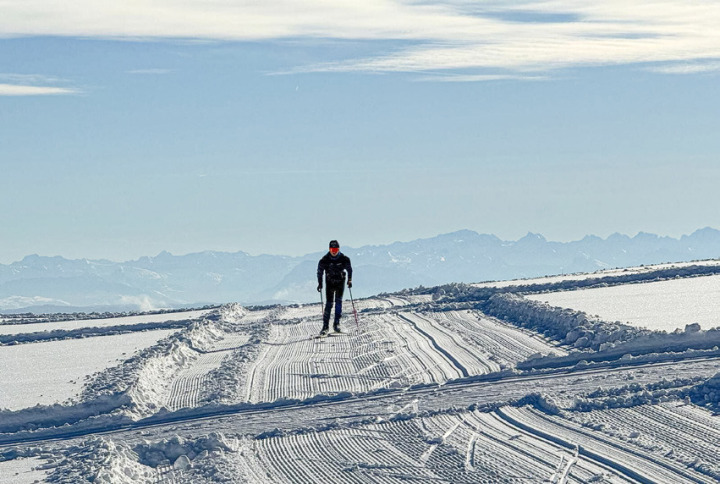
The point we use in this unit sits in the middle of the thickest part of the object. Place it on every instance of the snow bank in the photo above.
(101, 460)
(57, 415)
(707, 393)
(664, 305)
(134, 389)
(634, 394)
(146, 377)
(181, 452)
(570, 327)
(58, 334)
(540, 401)
(232, 313)
(227, 382)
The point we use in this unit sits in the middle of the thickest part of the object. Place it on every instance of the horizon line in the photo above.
(210, 251)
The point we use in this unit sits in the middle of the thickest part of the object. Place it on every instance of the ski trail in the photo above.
(426, 456)
(186, 390)
(609, 452)
(562, 472)
(433, 341)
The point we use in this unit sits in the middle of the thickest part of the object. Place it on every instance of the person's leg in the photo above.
(338, 305)
(329, 297)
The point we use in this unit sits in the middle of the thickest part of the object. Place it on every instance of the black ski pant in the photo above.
(333, 293)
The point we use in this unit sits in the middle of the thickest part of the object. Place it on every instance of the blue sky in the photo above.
(272, 127)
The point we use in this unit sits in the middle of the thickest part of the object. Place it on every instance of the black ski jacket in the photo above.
(334, 268)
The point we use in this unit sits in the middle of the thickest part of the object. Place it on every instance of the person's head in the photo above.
(334, 247)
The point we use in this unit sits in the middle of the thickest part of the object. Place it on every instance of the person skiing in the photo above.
(335, 265)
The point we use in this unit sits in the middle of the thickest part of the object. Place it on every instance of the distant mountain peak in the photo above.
(532, 238)
(704, 233)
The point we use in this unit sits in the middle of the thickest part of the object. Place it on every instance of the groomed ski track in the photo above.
(255, 418)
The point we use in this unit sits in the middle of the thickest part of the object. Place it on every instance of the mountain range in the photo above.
(55, 284)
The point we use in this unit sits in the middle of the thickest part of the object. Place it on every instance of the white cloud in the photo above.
(521, 36)
(693, 68)
(25, 90)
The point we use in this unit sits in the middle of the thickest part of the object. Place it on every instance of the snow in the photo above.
(659, 306)
(52, 372)
(100, 323)
(22, 471)
(598, 274)
(452, 384)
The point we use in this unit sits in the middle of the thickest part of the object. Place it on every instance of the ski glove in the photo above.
(319, 287)
(349, 283)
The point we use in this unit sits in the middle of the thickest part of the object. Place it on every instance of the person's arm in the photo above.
(320, 270)
(348, 268)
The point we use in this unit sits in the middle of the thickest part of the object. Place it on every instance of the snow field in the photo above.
(101, 322)
(22, 471)
(598, 274)
(658, 306)
(168, 370)
(52, 372)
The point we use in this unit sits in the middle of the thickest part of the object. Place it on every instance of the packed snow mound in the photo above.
(232, 312)
(181, 452)
(103, 461)
(707, 393)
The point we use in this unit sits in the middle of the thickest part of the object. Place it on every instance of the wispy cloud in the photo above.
(506, 38)
(33, 85)
(23, 90)
(688, 68)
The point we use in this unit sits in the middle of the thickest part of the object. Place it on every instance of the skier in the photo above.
(335, 265)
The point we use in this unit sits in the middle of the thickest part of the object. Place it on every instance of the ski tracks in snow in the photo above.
(508, 433)
(395, 348)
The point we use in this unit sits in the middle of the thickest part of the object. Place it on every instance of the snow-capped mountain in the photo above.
(48, 284)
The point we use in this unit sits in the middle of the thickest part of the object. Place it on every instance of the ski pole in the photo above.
(322, 309)
(357, 325)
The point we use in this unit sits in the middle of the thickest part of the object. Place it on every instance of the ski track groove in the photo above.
(445, 337)
(540, 454)
(612, 452)
(652, 428)
(186, 388)
(505, 343)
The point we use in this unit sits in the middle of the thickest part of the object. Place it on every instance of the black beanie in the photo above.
(334, 244)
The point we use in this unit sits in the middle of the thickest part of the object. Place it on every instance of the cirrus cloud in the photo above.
(33, 85)
(485, 38)
(20, 90)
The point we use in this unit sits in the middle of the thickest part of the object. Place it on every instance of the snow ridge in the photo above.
(136, 388)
